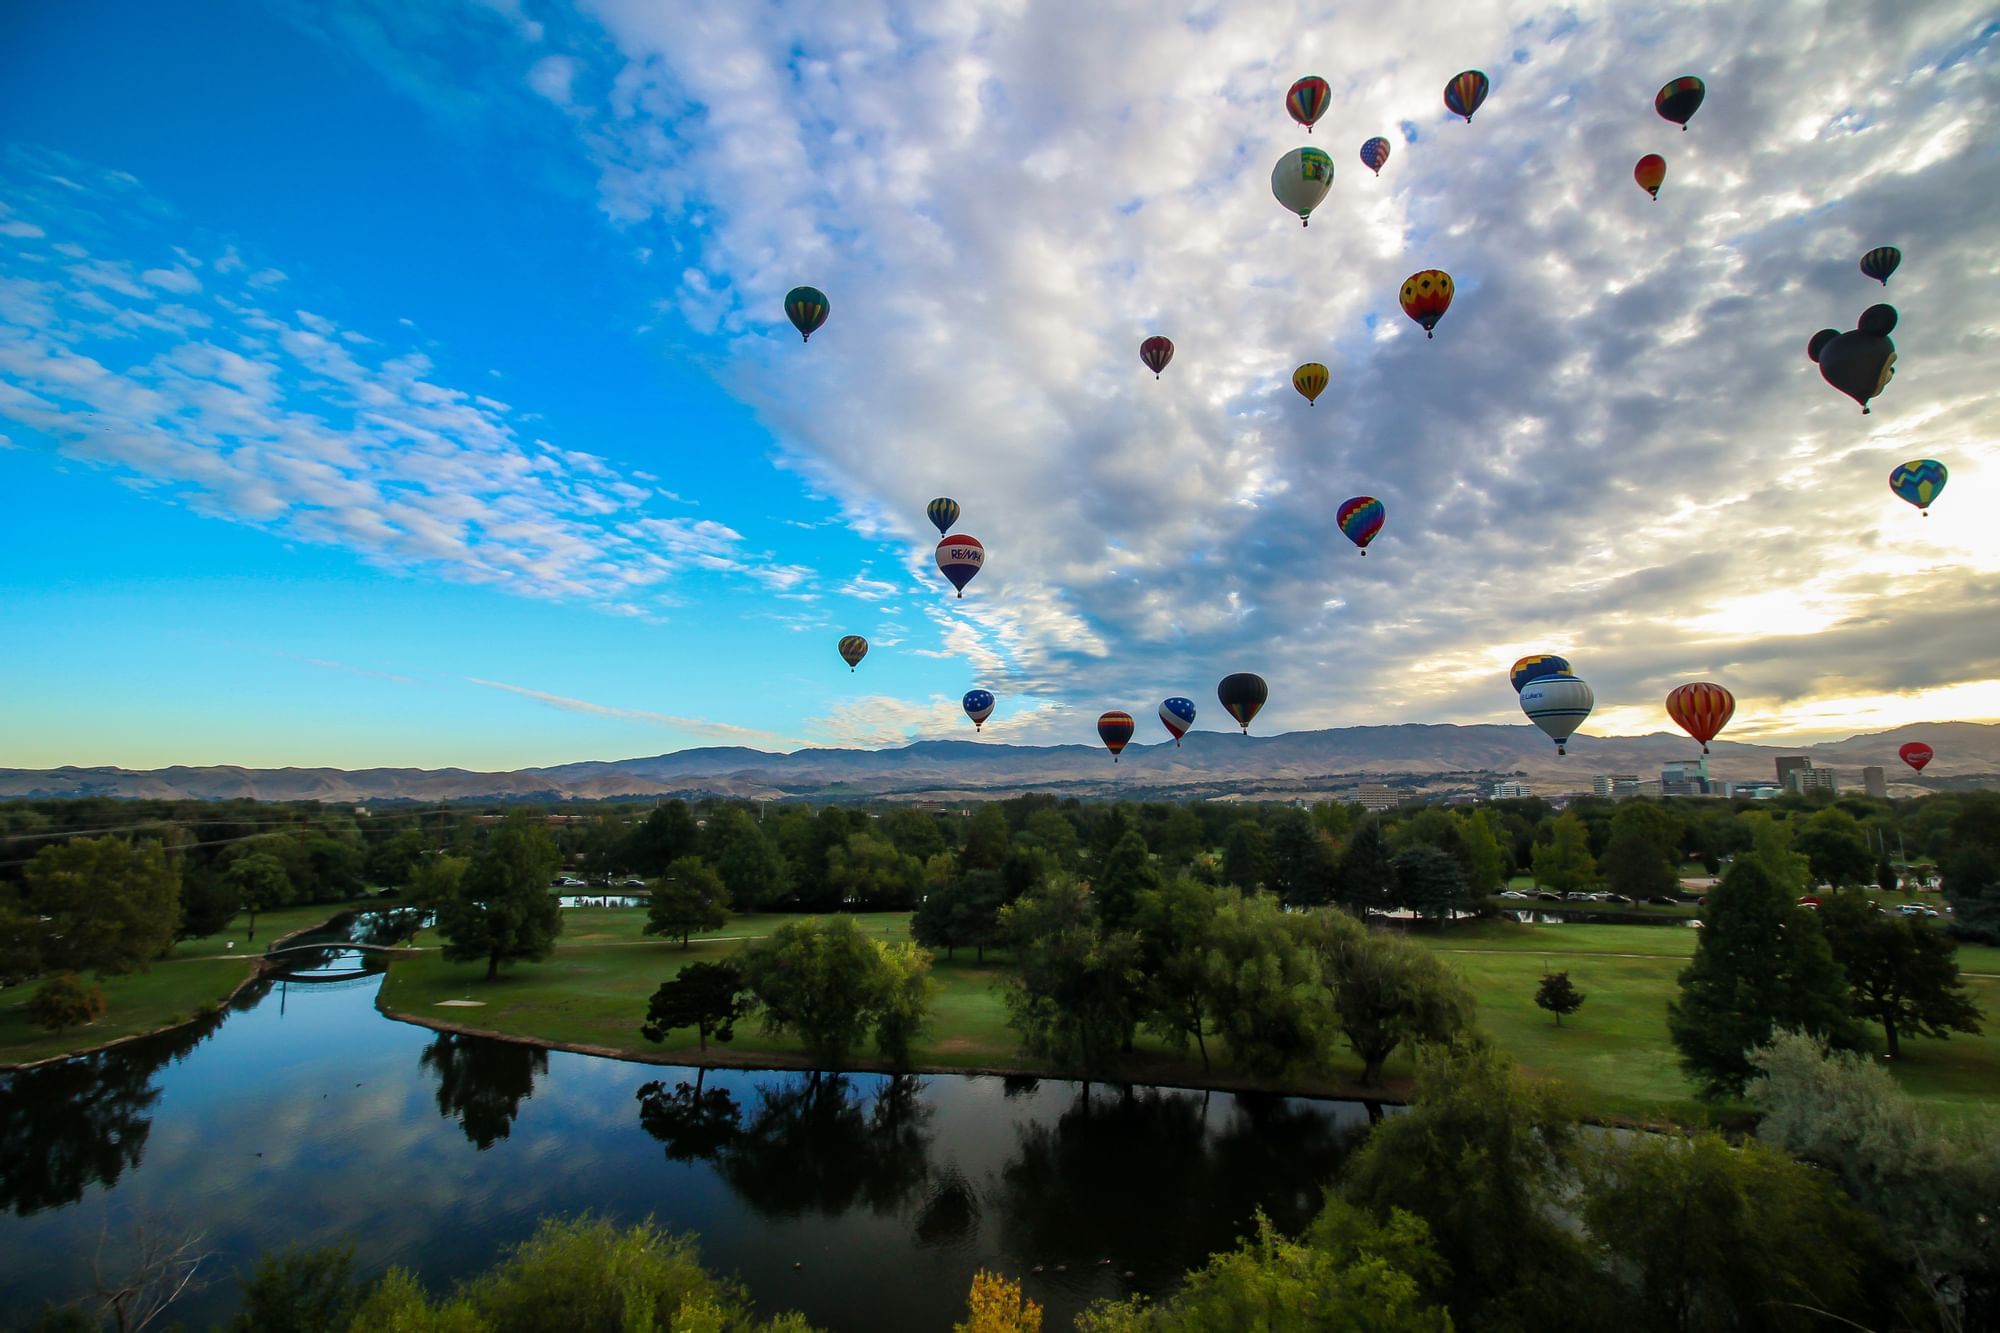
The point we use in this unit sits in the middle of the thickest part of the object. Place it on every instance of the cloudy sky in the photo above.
(409, 384)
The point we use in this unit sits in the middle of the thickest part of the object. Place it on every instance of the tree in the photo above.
(905, 992)
(828, 983)
(208, 903)
(1429, 881)
(435, 880)
(1903, 973)
(113, 907)
(1246, 855)
(1563, 863)
(751, 868)
(1659, 826)
(986, 839)
(1387, 991)
(867, 873)
(1366, 879)
(1301, 861)
(299, 1291)
(260, 884)
(1835, 848)
(1119, 877)
(1485, 863)
(1172, 924)
(1770, 847)
(708, 997)
(666, 835)
(1557, 995)
(688, 898)
(64, 1002)
(996, 1305)
(1634, 865)
(1760, 965)
(915, 834)
(502, 910)
(1073, 995)
(1258, 983)
(1181, 838)
(1052, 831)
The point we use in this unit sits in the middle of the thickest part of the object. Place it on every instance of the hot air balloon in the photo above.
(1919, 481)
(1242, 695)
(1177, 715)
(1860, 363)
(1115, 730)
(943, 513)
(1558, 705)
(1360, 518)
(1701, 709)
(960, 558)
(1534, 667)
(1307, 100)
(1651, 173)
(1301, 179)
(1916, 754)
(1156, 352)
(807, 307)
(1464, 94)
(1374, 153)
(978, 707)
(1880, 262)
(852, 649)
(1426, 296)
(1311, 380)
(1680, 99)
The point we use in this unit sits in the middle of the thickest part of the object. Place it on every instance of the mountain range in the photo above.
(1432, 758)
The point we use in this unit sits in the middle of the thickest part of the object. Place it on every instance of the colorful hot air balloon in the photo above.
(1919, 481)
(1651, 173)
(1880, 262)
(943, 512)
(1115, 730)
(978, 707)
(1533, 667)
(1558, 705)
(1465, 93)
(1374, 153)
(1242, 695)
(1307, 100)
(1701, 709)
(1360, 518)
(1311, 380)
(807, 307)
(1860, 363)
(960, 558)
(1177, 715)
(1426, 296)
(1301, 179)
(1156, 352)
(1916, 754)
(852, 649)
(1680, 99)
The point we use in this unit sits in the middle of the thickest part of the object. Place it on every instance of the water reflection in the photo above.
(482, 1082)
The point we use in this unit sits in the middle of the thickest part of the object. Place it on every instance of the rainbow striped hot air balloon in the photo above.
(1466, 93)
(1115, 730)
(852, 649)
(1243, 695)
(1360, 519)
(1307, 100)
(807, 308)
(1919, 481)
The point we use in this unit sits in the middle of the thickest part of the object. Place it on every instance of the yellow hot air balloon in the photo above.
(1311, 380)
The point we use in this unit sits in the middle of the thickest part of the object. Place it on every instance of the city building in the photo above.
(1805, 778)
(1686, 779)
(1616, 786)
(1875, 781)
(1755, 791)
(1789, 765)
(1375, 796)
(1503, 791)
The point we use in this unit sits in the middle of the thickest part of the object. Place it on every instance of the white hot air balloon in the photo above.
(1558, 705)
(1301, 179)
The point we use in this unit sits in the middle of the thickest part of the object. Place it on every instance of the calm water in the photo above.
(305, 1116)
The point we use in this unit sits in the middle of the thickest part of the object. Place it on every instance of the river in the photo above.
(303, 1116)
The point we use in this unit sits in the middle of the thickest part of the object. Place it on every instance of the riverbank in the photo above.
(197, 977)
(1614, 1055)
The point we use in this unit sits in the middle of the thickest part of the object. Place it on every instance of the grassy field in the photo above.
(198, 974)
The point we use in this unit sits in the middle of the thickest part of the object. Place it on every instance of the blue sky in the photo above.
(407, 385)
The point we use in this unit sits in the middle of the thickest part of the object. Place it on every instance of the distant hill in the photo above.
(1434, 757)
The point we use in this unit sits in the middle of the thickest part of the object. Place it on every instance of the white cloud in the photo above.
(692, 726)
(551, 76)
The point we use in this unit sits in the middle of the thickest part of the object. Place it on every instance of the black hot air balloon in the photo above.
(1880, 262)
(1242, 695)
(1859, 363)
(1680, 99)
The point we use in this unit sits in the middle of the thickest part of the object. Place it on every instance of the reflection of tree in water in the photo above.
(813, 1145)
(65, 1127)
(483, 1082)
(950, 1213)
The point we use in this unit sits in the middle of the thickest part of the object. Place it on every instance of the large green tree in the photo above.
(1172, 924)
(1430, 881)
(1259, 978)
(666, 834)
(827, 982)
(688, 898)
(112, 906)
(751, 867)
(1302, 860)
(260, 884)
(1563, 863)
(1365, 879)
(502, 910)
(708, 997)
(1118, 878)
(1387, 991)
(1835, 847)
(868, 874)
(1634, 865)
(1903, 973)
(1075, 991)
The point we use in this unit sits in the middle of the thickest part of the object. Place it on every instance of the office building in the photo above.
(1375, 796)
(1755, 791)
(1789, 765)
(1875, 781)
(1615, 786)
(1506, 791)
(1811, 779)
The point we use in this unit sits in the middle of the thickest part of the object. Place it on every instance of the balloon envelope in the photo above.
(1916, 754)
(1465, 93)
(1301, 179)
(1535, 666)
(1858, 364)
(1651, 173)
(1307, 100)
(1919, 481)
(807, 308)
(1115, 730)
(1360, 518)
(1558, 705)
(1880, 262)
(1680, 99)
(1374, 153)
(960, 558)
(1701, 709)
(1177, 715)
(978, 706)
(1311, 380)
(852, 649)
(943, 512)
(1156, 352)
(1426, 296)
(1242, 695)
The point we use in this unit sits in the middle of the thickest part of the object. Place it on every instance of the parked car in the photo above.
(1548, 897)
(1616, 898)
(1576, 896)
(634, 883)
(1512, 893)
(1917, 909)
(1662, 900)
(570, 882)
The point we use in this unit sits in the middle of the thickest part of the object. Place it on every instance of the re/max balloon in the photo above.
(1301, 179)
(1466, 93)
(1651, 173)
(1360, 519)
(1311, 380)
(978, 707)
(1242, 695)
(943, 512)
(1919, 481)
(1534, 667)
(1307, 100)
(1880, 262)
(1916, 754)
(960, 558)
(852, 649)
(1374, 153)
(1156, 352)
(1426, 296)
(1680, 99)
(807, 308)
(1115, 730)
(1177, 715)
(1558, 705)
(1701, 709)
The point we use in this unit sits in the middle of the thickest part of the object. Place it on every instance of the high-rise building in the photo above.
(1376, 796)
(1685, 780)
(1807, 779)
(1616, 786)
(1789, 765)
(1503, 791)
(1875, 781)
